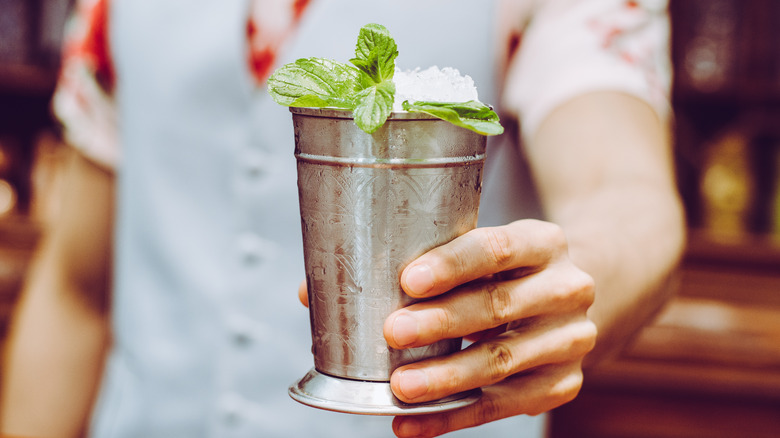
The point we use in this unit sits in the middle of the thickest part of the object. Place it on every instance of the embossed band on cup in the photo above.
(385, 163)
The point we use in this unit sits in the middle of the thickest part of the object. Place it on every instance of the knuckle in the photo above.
(452, 379)
(592, 333)
(441, 426)
(575, 290)
(569, 387)
(456, 260)
(498, 303)
(583, 288)
(489, 410)
(585, 338)
(443, 321)
(500, 361)
(554, 236)
(498, 246)
(587, 286)
(562, 391)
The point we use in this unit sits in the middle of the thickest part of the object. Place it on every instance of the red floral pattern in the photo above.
(270, 24)
(88, 41)
(621, 33)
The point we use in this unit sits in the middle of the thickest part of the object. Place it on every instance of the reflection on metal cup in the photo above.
(370, 204)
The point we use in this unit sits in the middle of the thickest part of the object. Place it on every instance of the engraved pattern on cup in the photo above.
(370, 204)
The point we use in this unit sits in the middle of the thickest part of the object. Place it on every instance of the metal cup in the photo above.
(370, 204)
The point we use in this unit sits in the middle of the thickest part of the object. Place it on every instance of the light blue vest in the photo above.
(208, 330)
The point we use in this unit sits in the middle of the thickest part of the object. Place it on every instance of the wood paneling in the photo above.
(707, 366)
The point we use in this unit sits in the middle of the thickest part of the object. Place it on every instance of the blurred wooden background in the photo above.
(30, 40)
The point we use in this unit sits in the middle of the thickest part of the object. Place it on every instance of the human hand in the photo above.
(515, 292)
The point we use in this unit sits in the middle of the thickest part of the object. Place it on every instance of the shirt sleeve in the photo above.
(83, 100)
(571, 47)
(270, 25)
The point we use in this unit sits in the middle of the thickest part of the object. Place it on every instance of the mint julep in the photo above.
(372, 87)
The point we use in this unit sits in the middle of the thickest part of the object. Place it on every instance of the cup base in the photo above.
(368, 398)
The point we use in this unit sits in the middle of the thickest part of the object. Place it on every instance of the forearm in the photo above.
(605, 173)
(629, 240)
(53, 362)
(59, 333)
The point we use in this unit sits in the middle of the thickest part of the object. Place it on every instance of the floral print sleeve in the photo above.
(270, 24)
(570, 47)
(84, 98)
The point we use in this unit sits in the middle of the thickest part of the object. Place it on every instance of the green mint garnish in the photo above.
(366, 87)
(375, 53)
(472, 115)
(374, 105)
(316, 82)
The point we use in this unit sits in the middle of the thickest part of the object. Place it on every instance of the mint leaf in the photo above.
(472, 115)
(374, 106)
(316, 82)
(375, 52)
(375, 55)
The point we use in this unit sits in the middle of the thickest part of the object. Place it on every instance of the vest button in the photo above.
(250, 247)
(230, 409)
(239, 331)
(254, 166)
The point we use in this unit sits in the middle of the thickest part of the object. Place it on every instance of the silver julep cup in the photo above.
(370, 204)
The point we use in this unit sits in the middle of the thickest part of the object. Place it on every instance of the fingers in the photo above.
(303, 294)
(545, 341)
(484, 305)
(482, 252)
(532, 393)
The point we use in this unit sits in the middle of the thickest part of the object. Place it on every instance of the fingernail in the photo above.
(419, 279)
(405, 329)
(408, 427)
(413, 384)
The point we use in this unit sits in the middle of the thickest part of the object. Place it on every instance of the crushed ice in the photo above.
(432, 84)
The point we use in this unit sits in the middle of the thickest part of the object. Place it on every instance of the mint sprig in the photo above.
(366, 87)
